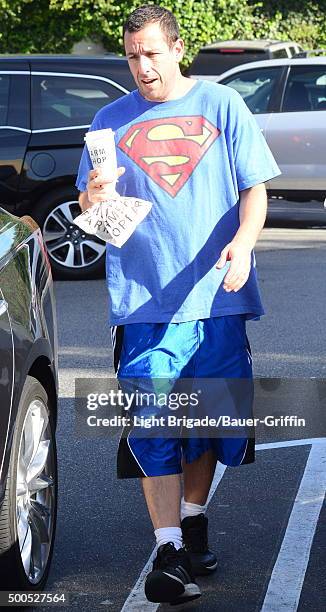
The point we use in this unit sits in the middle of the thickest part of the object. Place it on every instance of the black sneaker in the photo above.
(194, 533)
(171, 580)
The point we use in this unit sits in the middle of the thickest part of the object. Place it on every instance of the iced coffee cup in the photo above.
(101, 148)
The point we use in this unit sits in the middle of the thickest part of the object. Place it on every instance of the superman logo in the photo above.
(169, 149)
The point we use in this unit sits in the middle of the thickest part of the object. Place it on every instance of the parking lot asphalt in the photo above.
(267, 519)
(286, 213)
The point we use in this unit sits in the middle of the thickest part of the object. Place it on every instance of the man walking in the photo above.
(184, 284)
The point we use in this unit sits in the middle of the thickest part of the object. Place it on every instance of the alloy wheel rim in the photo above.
(67, 244)
(35, 491)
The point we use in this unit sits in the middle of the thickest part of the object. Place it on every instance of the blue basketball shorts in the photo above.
(215, 348)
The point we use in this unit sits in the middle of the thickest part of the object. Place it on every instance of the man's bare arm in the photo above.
(252, 212)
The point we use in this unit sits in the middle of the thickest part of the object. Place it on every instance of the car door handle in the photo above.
(3, 307)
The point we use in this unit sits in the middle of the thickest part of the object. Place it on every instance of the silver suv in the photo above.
(288, 99)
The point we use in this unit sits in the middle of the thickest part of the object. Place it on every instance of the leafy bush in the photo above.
(49, 26)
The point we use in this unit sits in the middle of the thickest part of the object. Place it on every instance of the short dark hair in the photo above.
(151, 13)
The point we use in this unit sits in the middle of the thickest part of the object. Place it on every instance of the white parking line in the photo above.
(287, 578)
(137, 602)
(287, 443)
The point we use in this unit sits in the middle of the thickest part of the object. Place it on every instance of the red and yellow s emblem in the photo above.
(169, 149)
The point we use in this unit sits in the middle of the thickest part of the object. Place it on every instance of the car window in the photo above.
(216, 61)
(65, 101)
(4, 98)
(294, 50)
(305, 89)
(279, 53)
(255, 86)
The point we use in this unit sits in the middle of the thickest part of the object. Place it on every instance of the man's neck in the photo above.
(182, 86)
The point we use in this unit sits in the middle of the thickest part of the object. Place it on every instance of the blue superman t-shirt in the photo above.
(190, 157)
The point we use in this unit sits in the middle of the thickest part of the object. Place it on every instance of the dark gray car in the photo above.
(28, 406)
(47, 103)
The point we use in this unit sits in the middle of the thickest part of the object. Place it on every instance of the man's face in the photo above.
(153, 64)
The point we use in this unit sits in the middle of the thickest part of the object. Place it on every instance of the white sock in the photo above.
(190, 509)
(169, 534)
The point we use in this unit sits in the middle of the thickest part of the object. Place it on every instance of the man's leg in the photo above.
(158, 461)
(163, 494)
(198, 476)
(171, 579)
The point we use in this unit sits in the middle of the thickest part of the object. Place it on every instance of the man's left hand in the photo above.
(238, 273)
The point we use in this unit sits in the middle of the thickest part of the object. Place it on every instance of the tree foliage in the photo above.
(49, 26)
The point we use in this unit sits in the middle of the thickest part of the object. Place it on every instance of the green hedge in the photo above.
(49, 26)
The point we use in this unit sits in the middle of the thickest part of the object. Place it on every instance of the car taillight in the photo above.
(231, 50)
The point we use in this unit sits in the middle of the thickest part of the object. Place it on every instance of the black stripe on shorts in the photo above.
(117, 340)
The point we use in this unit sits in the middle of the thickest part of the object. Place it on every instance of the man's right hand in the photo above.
(99, 188)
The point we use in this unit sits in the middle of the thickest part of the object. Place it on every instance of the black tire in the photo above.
(94, 266)
(12, 572)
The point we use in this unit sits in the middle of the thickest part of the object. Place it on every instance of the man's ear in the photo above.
(179, 49)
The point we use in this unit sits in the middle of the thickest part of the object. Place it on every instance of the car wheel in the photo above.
(73, 254)
(28, 513)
